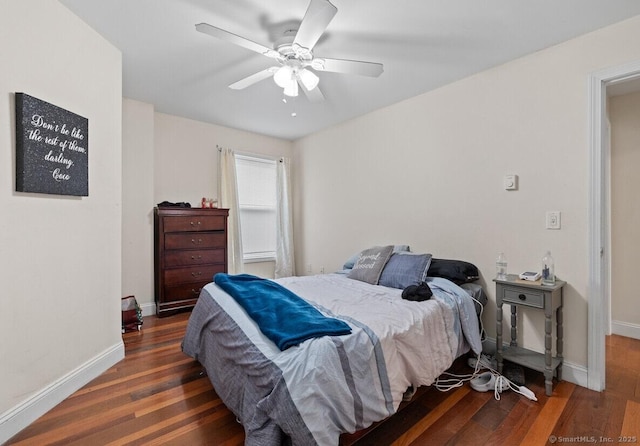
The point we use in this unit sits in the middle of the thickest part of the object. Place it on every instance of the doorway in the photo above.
(599, 290)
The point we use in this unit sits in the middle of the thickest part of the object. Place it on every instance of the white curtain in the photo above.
(284, 221)
(229, 200)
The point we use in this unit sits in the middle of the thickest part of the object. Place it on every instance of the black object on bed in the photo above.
(417, 293)
(457, 271)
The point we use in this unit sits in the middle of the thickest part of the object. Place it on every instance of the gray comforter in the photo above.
(311, 393)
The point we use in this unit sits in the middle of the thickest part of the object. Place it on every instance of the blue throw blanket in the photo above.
(283, 317)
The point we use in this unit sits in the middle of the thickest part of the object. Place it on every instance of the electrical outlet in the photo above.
(309, 269)
(553, 219)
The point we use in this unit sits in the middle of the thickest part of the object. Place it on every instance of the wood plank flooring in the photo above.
(159, 396)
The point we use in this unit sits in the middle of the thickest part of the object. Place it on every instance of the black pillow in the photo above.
(457, 271)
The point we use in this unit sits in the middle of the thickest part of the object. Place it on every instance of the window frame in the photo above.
(259, 256)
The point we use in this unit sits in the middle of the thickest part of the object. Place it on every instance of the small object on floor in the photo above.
(514, 373)
(486, 362)
(131, 314)
(409, 393)
(487, 381)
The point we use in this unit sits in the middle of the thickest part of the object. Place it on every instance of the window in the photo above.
(257, 201)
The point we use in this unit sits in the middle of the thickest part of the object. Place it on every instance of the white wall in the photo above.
(60, 263)
(137, 202)
(186, 162)
(624, 114)
(169, 158)
(186, 158)
(429, 172)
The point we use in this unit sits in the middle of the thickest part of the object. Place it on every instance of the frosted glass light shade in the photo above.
(291, 89)
(308, 79)
(284, 76)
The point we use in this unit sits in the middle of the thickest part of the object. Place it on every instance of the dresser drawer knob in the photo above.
(196, 242)
(196, 292)
(198, 274)
(522, 296)
(196, 223)
(196, 257)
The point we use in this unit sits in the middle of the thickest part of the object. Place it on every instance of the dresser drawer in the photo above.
(519, 296)
(184, 291)
(192, 274)
(193, 257)
(195, 240)
(193, 223)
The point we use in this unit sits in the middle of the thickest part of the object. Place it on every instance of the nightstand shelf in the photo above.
(525, 294)
(528, 358)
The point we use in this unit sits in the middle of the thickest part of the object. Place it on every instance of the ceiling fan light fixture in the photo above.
(308, 79)
(300, 51)
(284, 76)
(317, 64)
(294, 53)
(291, 89)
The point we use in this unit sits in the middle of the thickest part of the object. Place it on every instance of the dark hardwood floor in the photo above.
(159, 396)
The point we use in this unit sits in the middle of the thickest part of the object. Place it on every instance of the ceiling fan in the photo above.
(294, 54)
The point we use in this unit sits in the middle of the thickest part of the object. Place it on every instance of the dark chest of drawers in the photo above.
(190, 248)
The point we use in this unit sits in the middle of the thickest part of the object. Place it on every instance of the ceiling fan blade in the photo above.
(318, 16)
(314, 95)
(235, 39)
(254, 78)
(371, 69)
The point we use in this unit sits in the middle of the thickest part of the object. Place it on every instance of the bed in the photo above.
(312, 392)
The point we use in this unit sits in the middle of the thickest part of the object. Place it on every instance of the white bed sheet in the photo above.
(417, 338)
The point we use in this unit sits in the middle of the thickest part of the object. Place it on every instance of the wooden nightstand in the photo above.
(516, 292)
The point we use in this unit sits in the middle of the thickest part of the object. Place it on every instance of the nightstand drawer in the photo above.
(521, 297)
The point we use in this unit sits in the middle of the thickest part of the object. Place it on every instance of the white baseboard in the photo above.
(574, 373)
(148, 309)
(625, 329)
(25, 413)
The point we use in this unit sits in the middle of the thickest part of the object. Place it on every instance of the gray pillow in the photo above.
(404, 269)
(370, 263)
(354, 258)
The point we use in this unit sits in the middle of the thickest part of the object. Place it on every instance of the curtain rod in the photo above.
(280, 159)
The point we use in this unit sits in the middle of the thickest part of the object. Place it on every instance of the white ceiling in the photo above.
(423, 45)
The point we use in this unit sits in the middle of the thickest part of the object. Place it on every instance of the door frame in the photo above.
(599, 286)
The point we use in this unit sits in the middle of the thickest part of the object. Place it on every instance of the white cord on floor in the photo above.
(444, 385)
(502, 382)
(454, 380)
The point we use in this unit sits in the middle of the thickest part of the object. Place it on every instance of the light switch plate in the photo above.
(553, 219)
(511, 182)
